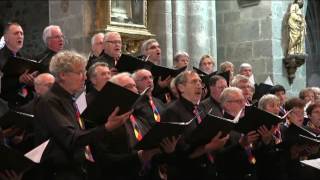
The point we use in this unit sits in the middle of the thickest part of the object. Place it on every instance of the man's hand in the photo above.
(114, 121)
(146, 155)
(169, 144)
(27, 77)
(266, 135)
(249, 138)
(216, 142)
(10, 175)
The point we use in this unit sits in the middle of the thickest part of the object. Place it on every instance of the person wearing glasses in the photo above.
(212, 104)
(111, 52)
(54, 41)
(236, 159)
(68, 154)
(192, 162)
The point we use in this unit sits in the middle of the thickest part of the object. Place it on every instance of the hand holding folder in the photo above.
(160, 131)
(210, 127)
(255, 118)
(16, 66)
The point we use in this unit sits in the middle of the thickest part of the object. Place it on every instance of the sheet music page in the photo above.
(268, 81)
(312, 162)
(81, 102)
(36, 153)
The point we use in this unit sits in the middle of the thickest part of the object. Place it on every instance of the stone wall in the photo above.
(254, 35)
(76, 21)
(33, 17)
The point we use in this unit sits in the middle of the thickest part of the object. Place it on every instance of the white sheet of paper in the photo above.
(312, 162)
(36, 153)
(268, 81)
(251, 79)
(82, 102)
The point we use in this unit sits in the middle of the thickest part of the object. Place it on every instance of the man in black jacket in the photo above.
(57, 118)
(54, 40)
(16, 90)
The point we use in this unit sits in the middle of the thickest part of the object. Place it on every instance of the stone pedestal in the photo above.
(291, 63)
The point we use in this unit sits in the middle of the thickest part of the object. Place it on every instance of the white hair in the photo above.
(47, 32)
(94, 37)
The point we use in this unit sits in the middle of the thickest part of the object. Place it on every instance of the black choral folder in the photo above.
(18, 119)
(260, 90)
(128, 63)
(164, 72)
(209, 127)
(159, 131)
(302, 135)
(13, 160)
(206, 77)
(255, 117)
(16, 66)
(110, 96)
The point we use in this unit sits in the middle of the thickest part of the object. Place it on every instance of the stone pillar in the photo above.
(76, 21)
(188, 26)
(254, 35)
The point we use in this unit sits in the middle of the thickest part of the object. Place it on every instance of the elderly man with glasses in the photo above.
(54, 40)
(111, 52)
(57, 118)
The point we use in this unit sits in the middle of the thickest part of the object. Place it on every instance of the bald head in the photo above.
(43, 82)
(144, 80)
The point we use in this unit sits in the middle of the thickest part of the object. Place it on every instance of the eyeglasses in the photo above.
(57, 37)
(114, 42)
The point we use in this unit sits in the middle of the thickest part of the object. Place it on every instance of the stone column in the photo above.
(188, 26)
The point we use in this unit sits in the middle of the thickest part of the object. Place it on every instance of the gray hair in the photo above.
(225, 65)
(145, 45)
(115, 79)
(64, 61)
(183, 77)
(206, 56)
(244, 65)
(106, 36)
(225, 95)
(94, 37)
(180, 54)
(92, 68)
(47, 32)
(240, 79)
(266, 99)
